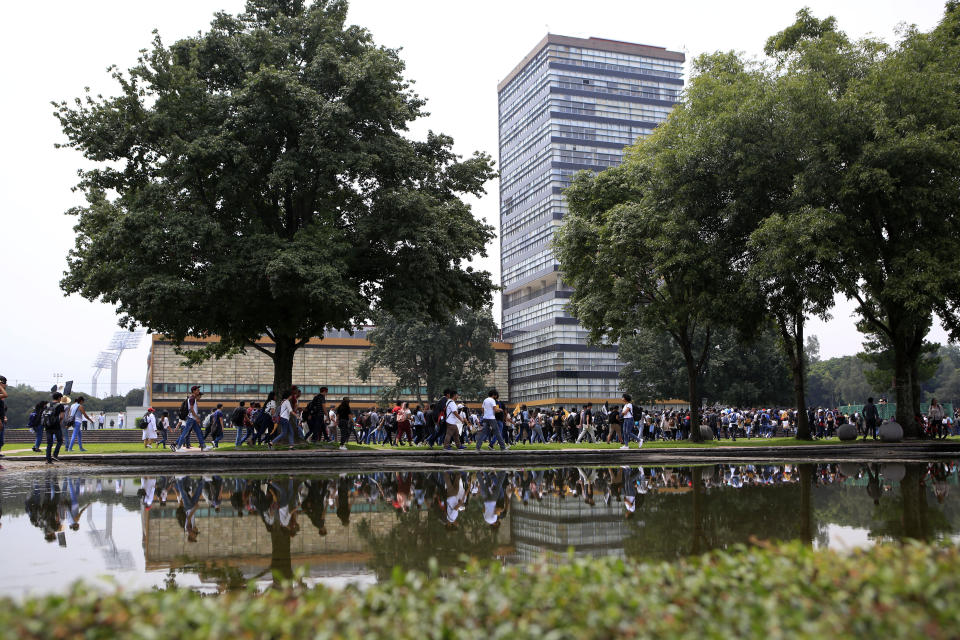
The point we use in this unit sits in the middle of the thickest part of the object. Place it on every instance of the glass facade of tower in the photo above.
(572, 104)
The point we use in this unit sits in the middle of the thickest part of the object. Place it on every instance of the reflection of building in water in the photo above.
(557, 525)
(245, 542)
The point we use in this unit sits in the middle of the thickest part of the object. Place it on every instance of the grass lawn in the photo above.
(17, 450)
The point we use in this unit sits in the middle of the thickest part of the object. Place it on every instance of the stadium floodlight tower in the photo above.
(120, 342)
(105, 360)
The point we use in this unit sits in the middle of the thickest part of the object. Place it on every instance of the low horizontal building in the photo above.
(330, 362)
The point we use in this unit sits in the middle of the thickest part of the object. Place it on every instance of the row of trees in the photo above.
(23, 398)
(828, 167)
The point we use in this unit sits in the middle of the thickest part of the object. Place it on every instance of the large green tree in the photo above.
(256, 180)
(887, 161)
(645, 248)
(424, 353)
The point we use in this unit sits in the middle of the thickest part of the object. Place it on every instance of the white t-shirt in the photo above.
(453, 416)
(489, 406)
(627, 411)
(285, 410)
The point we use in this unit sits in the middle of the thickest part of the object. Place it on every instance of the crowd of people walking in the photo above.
(448, 423)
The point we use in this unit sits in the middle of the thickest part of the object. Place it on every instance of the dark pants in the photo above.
(51, 434)
(491, 431)
(345, 428)
(452, 435)
(871, 429)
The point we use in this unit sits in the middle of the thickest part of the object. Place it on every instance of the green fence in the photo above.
(889, 410)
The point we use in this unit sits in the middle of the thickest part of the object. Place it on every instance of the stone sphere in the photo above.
(850, 469)
(847, 432)
(893, 471)
(706, 433)
(891, 432)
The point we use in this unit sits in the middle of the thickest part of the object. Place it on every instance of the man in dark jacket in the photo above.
(872, 418)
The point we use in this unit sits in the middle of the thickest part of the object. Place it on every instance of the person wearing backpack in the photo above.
(238, 418)
(214, 427)
(51, 420)
(193, 420)
(76, 411)
(586, 423)
(33, 421)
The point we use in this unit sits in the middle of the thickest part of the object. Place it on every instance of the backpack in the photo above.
(238, 415)
(49, 417)
(440, 409)
(206, 421)
(262, 420)
(33, 421)
(144, 421)
(572, 420)
(184, 411)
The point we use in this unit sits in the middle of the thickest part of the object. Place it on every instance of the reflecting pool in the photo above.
(218, 532)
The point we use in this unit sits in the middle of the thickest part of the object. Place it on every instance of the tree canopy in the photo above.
(256, 180)
(424, 353)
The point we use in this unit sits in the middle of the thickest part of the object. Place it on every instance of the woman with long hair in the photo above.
(403, 425)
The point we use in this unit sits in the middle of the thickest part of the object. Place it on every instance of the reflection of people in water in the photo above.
(190, 494)
(873, 483)
(71, 510)
(939, 471)
(315, 503)
(491, 490)
(456, 498)
(629, 492)
(343, 500)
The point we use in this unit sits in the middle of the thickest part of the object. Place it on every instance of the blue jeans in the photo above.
(628, 430)
(36, 445)
(491, 428)
(285, 428)
(537, 434)
(76, 438)
(185, 433)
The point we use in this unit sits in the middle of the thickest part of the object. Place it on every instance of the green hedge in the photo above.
(910, 591)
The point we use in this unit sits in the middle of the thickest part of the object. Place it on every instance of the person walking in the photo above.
(150, 430)
(403, 425)
(871, 418)
(936, 415)
(344, 414)
(489, 419)
(627, 415)
(52, 419)
(285, 414)
(215, 428)
(238, 419)
(454, 422)
(193, 421)
(616, 429)
(163, 426)
(586, 424)
(77, 413)
(34, 422)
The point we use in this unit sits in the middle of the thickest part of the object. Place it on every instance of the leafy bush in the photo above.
(906, 591)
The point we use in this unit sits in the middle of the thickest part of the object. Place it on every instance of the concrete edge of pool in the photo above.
(353, 460)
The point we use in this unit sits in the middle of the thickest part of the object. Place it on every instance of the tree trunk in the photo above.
(916, 391)
(798, 361)
(903, 387)
(283, 352)
(692, 393)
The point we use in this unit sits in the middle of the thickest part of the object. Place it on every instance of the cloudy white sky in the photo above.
(455, 51)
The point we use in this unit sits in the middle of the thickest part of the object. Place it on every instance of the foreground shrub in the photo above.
(889, 591)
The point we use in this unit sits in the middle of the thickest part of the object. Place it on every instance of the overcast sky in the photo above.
(456, 52)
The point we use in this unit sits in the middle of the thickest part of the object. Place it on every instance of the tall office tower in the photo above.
(571, 104)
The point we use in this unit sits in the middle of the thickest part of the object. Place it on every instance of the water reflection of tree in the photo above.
(420, 535)
(671, 525)
(908, 513)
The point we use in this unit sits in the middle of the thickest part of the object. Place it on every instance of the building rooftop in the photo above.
(600, 44)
